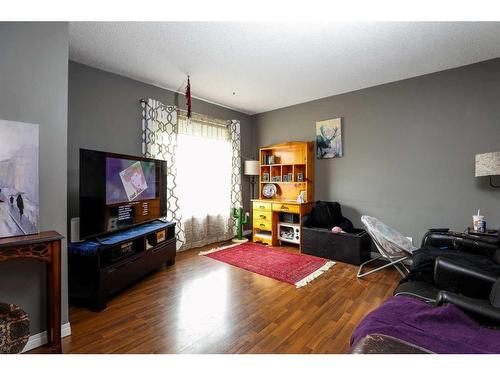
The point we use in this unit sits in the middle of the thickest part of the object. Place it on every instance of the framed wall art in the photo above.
(329, 138)
(19, 204)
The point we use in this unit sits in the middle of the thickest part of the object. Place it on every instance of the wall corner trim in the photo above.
(40, 339)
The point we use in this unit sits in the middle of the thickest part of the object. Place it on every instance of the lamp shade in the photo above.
(251, 168)
(488, 164)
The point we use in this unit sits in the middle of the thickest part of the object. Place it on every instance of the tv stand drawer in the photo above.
(120, 275)
(159, 255)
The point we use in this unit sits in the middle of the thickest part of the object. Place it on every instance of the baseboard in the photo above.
(41, 338)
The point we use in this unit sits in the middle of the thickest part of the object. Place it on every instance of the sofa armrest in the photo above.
(479, 309)
(453, 276)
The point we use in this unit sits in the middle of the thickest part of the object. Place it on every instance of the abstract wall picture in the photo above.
(18, 178)
(329, 138)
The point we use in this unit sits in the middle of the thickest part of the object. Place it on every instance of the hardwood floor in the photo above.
(201, 305)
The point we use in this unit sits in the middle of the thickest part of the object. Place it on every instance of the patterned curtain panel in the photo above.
(236, 199)
(159, 141)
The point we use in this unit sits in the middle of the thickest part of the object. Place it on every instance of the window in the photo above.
(203, 160)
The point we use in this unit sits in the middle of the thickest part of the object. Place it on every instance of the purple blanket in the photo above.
(445, 329)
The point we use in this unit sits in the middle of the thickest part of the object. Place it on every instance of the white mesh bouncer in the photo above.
(394, 248)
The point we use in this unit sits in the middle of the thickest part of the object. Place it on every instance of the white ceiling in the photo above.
(274, 65)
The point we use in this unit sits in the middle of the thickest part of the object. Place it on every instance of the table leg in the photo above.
(49, 302)
(56, 295)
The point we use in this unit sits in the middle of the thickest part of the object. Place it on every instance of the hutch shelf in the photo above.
(289, 167)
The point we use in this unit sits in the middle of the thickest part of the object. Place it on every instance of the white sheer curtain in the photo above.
(203, 170)
(204, 177)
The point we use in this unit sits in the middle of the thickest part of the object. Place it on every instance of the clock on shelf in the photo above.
(269, 190)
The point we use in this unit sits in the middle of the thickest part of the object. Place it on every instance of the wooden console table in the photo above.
(44, 247)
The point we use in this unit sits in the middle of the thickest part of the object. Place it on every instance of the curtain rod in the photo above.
(212, 120)
(205, 119)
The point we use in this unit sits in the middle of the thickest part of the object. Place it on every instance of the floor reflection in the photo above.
(203, 308)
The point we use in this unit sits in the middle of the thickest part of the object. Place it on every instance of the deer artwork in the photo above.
(324, 141)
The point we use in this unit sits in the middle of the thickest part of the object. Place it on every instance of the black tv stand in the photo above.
(98, 269)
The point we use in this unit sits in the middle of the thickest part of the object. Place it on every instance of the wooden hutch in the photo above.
(290, 168)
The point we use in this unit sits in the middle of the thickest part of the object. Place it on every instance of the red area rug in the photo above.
(292, 268)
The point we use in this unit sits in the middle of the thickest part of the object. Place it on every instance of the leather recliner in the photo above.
(457, 268)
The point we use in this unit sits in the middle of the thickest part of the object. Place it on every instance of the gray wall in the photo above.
(409, 148)
(105, 114)
(34, 89)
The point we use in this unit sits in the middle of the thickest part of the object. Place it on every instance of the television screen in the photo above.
(129, 180)
(119, 191)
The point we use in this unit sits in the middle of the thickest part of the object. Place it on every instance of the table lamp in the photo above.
(488, 164)
(252, 169)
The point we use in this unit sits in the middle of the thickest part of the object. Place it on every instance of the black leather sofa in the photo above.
(351, 246)
(449, 268)
(457, 268)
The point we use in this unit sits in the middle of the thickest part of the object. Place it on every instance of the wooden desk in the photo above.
(265, 214)
(44, 247)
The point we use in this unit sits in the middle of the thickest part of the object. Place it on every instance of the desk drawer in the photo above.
(283, 207)
(262, 224)
(262, 206)
(262, 215)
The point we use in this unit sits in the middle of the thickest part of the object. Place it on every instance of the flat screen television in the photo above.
(119, 191)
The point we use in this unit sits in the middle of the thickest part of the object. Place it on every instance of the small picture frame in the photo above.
(285, 178)
(160, 236)
(265, 177)
(300, 177)
(290, 177)
(271, 159)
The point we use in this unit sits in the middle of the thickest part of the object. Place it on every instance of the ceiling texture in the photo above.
(258, 67)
